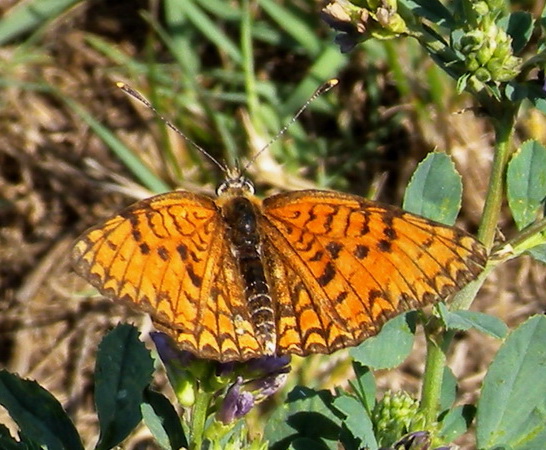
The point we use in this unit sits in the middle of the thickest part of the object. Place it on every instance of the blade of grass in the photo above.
(26, 16)
(293, 25)
(126, 155)
(327, 65)
(210, 30)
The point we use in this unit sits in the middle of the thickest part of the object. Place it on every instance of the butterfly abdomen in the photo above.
(241, 220)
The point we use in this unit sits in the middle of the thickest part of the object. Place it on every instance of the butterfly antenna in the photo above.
(135, 94)
(320, 90)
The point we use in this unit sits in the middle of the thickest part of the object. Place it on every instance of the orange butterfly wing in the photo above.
(169, 256)
(341, 266)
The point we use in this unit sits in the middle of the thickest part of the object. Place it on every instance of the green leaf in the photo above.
(391, 346)
(512, 407)
(306, 414)
(537, 96)
(9, 443)
(357, 420)
(463, 320)
(38, 414)
(364, 385)
(519, 25)
(456, 422)
(526, 182)
(435, 189)
(539, 253)
(162, 420)
(449, 389)
(432, 10)
(306, 444)
(123, 370)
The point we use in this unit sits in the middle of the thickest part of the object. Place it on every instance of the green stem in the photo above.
(432, 379)
(504, 128)
(199, 418)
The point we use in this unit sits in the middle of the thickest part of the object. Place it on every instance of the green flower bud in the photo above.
(397, 25)
(504, 70)
(481, 8)
(393, 416)
(472, 63)
(482, 75)
(185, 390)
(484, 54)
(496, 6)
(372, 5)
(472, 41)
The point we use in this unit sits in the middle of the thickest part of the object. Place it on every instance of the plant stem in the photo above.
(504, 128)
(432, 380)
(199, 418)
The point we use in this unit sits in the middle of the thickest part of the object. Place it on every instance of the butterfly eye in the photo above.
(222, 188)
(248, 186)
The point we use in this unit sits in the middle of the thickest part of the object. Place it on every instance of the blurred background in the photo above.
(74, 149)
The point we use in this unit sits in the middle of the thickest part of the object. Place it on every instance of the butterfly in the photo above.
(311, 271)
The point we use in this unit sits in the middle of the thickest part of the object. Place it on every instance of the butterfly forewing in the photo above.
(168, 256)
(352, 264)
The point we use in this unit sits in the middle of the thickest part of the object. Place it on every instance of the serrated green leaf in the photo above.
(9, 443)
(162, 420)
(463, 320)
(435, 189)
(456, 422)
(123, 370)
(391, 346)
(512, 407)
(38, 414)
(357, 420)
(306, 414)
(526, 182)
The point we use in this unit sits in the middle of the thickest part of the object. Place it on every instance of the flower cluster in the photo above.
(370, 18)
(222, 393)
(395, 415)
(485, 47)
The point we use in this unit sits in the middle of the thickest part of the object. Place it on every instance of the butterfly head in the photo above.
(235, 184)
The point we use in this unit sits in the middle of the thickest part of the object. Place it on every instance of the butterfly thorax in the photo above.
(240, 211)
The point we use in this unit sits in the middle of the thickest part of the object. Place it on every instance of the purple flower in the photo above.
(266, 387)
(236, 403)
(242, 396)
(267, 365)
(168, 352)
